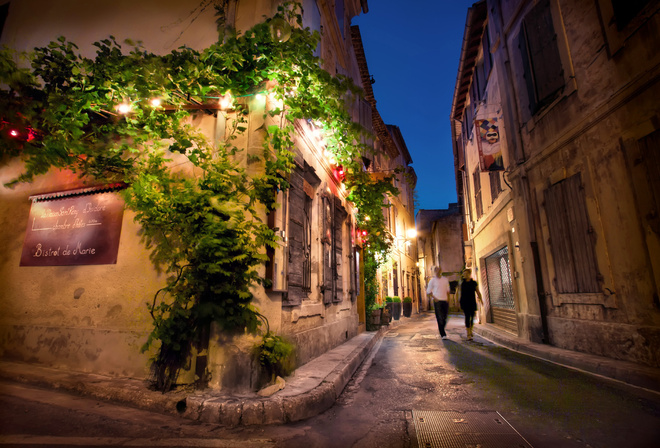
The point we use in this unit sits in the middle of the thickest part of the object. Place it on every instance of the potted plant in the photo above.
(395, 306)
(407, 306)
(374, 318)
(386, 315)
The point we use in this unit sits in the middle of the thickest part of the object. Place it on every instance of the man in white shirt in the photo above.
(438, 289)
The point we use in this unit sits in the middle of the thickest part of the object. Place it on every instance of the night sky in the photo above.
(412, 51)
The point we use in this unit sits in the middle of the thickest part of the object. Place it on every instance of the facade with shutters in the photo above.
(95, 318)
(564, 231)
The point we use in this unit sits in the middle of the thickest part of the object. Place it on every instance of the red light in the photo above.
(364, 233)
(14, 133)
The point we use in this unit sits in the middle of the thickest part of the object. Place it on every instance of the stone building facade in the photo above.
(94, 318)
(440, 243)
(556, 131)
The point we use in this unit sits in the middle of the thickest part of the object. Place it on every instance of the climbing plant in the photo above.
(126, 116)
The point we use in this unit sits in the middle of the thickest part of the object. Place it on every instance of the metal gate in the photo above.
(500, 290)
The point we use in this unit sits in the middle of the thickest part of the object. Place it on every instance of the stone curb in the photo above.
(128, 391)
(280, 408)
(627, 372)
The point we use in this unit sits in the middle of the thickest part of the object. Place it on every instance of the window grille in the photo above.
(498, 277)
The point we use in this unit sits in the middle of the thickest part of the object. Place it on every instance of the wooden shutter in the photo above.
(571, 238)
(327, 240)
(296, 239)
(488, 58)
(543, 52)
(337, 252)
(479, 208)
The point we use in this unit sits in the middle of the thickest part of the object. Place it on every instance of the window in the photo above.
(277, 266)
(4, 11)
(571, 238)
(339, 12)
(334, 216)
(301, 199)
(495, 185)
(498, 276)
(621, 19)
(395, 278)
(626, 10)
(542, 65)
(479, 210)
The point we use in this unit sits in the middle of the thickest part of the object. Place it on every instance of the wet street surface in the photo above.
(413, 387)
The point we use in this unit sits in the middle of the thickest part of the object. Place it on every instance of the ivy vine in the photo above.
(205, 230)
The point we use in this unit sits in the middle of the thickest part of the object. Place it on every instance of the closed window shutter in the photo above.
(548, 73)
(338, 229)
(488, 58)
(477, 194)
(328, 242)
(571, 239)
(296, 292)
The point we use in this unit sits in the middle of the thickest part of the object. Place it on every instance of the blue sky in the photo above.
(412, 51)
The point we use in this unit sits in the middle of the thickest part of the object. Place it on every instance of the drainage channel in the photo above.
(470, 429)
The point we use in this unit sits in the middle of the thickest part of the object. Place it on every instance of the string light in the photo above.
(124, 108)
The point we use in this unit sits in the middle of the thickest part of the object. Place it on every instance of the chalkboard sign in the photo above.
(73, 228)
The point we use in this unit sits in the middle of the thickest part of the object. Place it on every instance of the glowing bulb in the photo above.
(366, 218)
(226, 101)
(411, 233)
(260, 96)
(155, 102)
(124, 108)
(13, 133)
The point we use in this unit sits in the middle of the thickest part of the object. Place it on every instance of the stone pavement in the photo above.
(312, 389)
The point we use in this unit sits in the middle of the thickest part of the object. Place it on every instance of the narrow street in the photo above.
(413, 370)
(411, 376)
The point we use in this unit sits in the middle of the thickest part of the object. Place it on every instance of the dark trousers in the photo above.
(469, 317)
(441, 308)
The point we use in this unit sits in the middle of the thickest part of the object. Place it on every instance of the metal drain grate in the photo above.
(472, 429)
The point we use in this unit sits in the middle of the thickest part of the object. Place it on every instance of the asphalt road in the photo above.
(413, 386)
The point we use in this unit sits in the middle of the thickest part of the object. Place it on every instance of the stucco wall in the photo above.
(89, 318)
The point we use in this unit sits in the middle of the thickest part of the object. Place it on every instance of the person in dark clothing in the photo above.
(469, 293)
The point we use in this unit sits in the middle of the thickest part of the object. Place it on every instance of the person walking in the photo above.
(469, 293)
(438, 290)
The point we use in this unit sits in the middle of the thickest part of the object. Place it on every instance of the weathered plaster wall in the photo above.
(590, 129)
(88, 318)
(161, 25)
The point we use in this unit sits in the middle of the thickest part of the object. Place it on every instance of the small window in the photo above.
(479, 209)
(495, 185)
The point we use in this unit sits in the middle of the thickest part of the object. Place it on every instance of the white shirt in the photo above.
(438, 287)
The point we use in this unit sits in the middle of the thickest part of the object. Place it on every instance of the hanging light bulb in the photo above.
(227, 101)
(280, 29)
(124, 108)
